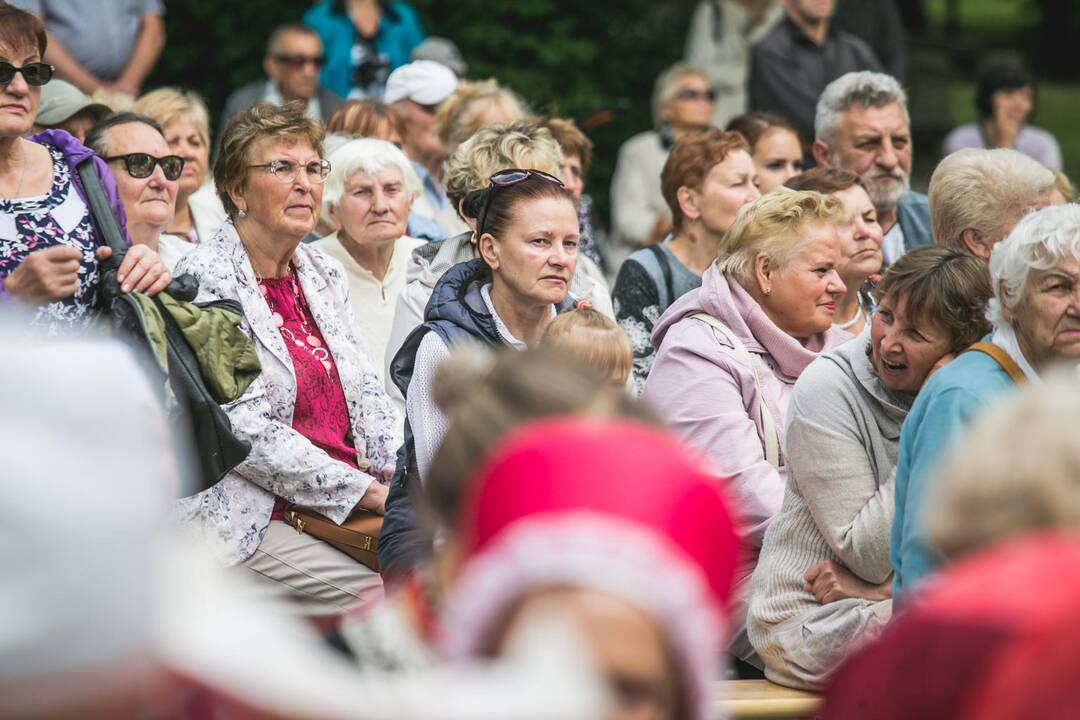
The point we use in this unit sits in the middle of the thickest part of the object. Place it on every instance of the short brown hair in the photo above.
(19, 28)
(691, 159)
(944, 287)
(288, 122)
(486, 396)
(825, 180)
(571, 140)
(755, 125)
(366, 119)
(592, 338)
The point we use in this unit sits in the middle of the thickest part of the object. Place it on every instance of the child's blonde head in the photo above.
(593, 339)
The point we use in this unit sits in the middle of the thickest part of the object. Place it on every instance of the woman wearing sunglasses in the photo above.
(322, 431)
(49, 246)
(527, 230)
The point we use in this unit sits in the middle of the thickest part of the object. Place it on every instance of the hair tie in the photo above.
(582, 304)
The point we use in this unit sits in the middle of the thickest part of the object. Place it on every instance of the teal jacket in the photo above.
(942, 409)
(913, 214)
(399, 32)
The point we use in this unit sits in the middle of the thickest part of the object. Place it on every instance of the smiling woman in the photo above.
(49, 247)
(323, 434)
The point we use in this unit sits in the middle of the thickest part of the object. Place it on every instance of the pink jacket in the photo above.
(709, 398)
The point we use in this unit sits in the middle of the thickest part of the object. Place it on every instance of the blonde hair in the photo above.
(463, 113)
(288, 122)
(1016, 471)
(524, 145)
(773, 225)
(592, 338)
(1064, 186)
(169, 104)
(984, 191)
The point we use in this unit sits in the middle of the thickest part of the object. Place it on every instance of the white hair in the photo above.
(1041, 240)
(667, 83)
(368, 156)
(863, 89)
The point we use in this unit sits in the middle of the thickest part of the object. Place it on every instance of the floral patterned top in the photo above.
(59, 217)
(320, 414)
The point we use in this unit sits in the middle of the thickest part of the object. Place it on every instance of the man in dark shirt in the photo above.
(791, 65)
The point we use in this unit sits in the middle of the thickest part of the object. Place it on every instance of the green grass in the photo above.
(1056, 113)
(992, 17)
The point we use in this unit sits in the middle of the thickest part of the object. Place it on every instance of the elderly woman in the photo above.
(1005, 100)
(49, 244)
(774, 147)
(822, 582)
(977, 196)
(861, 242)
(706, 179)
(730, 352)
(1036, 316)
(323, 433)
(468, 170)
(528, 235)
(186, 125)
(368, 194)
(682, 103)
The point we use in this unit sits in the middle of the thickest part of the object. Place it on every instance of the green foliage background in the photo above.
(572, 58)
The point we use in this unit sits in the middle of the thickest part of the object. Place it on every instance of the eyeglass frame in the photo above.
(158, 162)
(22, 71)
(692, 94)
(298, 61)
(494, 183)
(274, 165)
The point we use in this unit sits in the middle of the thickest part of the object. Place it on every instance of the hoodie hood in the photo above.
(431, 260)
(726, 300)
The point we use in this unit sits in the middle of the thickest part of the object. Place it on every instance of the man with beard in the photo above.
(793, 63)
(862, 125)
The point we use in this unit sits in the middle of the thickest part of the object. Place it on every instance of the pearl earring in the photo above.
(242, 213)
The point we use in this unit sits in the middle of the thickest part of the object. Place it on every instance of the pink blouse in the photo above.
(320, 414)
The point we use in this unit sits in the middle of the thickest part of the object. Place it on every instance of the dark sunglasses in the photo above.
(504, 179)
(35, 73)
(299, 61)
(141, 165)
(691, 94)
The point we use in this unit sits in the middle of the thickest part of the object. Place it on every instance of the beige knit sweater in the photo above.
(842, 444)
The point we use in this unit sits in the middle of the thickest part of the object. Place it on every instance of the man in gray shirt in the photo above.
(107, 44)
(793, 63)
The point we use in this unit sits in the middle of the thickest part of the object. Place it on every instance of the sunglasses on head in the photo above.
(504, 179)
(691, 94)
(141, 165)
(34, 73)
(299, 61)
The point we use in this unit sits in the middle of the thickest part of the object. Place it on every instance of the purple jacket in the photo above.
(709, 398)
(74, 151)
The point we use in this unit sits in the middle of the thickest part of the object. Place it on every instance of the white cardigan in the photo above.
(235, 512)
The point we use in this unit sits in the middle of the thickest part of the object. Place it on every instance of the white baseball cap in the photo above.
(425, 82)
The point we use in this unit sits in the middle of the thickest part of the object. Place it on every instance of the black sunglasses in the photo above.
(299, 61)
(34, 73)
(504, 179)
(141, 165)
(691, 94)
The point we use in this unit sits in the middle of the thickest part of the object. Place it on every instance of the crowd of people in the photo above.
(466, 454)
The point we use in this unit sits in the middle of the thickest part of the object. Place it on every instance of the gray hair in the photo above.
(1041, 240)
(368, 156)
(273, 44)
(984, 191)
(862, 89)
(667, 83)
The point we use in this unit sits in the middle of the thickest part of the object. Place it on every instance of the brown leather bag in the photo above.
(1002, 358)
(357, 537)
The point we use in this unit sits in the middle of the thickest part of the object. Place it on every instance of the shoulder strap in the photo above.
(1002, 358)
(768, 425)
(665, 270)
(104, 219)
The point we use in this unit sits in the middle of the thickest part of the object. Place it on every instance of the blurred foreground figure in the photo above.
(119, 618)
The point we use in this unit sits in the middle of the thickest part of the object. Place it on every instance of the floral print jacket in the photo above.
(235, 513)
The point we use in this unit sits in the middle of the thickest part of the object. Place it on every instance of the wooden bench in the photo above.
(759, 699)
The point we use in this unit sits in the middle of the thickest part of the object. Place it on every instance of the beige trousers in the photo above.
(312, 576)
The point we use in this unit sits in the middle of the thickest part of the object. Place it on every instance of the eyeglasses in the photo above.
(691, 94)
(299, 61)
(504, 179)
(287, 170)
(141, 165)
(35, 73)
